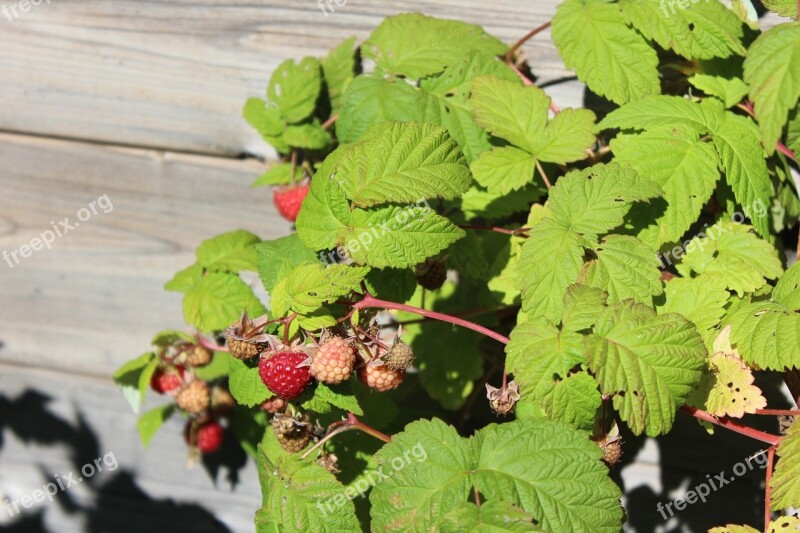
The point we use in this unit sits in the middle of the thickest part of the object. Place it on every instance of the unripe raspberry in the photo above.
(198, 356)
(380, 377)
(399, 357)
(333, 362)
(292, 433)
(222, 400)
(432, 274)
(194, 397)
(274, 404)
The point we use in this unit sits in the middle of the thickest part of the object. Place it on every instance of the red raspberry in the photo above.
(163, 381)
(209, 437)
(333, 362)
(381, 377)
(282, 375)
(288, 200)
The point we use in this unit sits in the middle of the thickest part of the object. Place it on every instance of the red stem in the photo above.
(208, 345)
(736, 427)
(778, 412)
(495, 228)
(371, 301)
(768, 490)
(328, 123)
(510, 54)
(747, 107)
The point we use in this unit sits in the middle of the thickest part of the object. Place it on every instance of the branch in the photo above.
(767, 490)
(351, 422)
(778, 412)
(371, 301)
(736, 427)
(506, 231)
(328, 123)
(510, 54)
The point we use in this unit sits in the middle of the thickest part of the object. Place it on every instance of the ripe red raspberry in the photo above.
(282, 375)
(194, 397)
(209, 437)
(333, 362)
(273, 405)
(380, 377)
(432, 274)
(288, 200)
(165, 381)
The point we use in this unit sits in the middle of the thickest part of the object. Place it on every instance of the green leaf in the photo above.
(133, 365)
(551, 471)
(567, 137)
(416, 46)
(245, 383)
(595, 200)
(341, 397)
(480, 203)
(785, 482)
(699, 300)
(403, 162)
(731, 253)
(393, 284)
(784, 8)
(396, 236)
(684, 167)
(265, 119)
(325, 212)
(548, 265)
(786, 291)
(767, 335)
(309, 286)
(505, 169)
(793, 131)
(625, 268)
(229, 252)
(310, 136)
(339, 69)
(369, 100)
(129, 378)
(614, 60)
(582, 306)
(277, 258)
(574, 400)
(294, 88)
(186, 279)
(218, 301)
(663, 111)
(494, 516)
(300, 495)
(217, 368)
(730, 91)
(697, 31)
(772, 70)
(151, 421)
(648, 363)
(169, 337)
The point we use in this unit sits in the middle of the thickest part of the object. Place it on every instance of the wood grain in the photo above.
(174, 74)
(95, 299)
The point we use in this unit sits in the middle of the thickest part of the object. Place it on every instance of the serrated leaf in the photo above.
(245, 383)
(647, 362)
(277, 258)
(265, 119)
(567, 137)
(582, 306)
(133, 365)
(339, 69)
(309, 286)
(294, 88)
(169, 337)
(494, 516)
(731, 253)
(217, 368)
(480, 203)
(129, 377)
(613, 59)
(505, 169)
(310, 136)
(696, 31)
(733, 528)
(784, 8)
(684, 167)
(298, 496)
(551, 471)
(369, 100)
(785, 482)
(416, 46)
(786, 290)
(324, 397)
(592, 201)
(393, 284)
(403, 162)
(325, 212)
(396, 236)
(732, 391)
(549, 263)
(574, 400)
(772, 70)
(151, 421)
(465, 256)
(218, 301)
(185, 279)
(229, 252)
(701, 301)
(625, 268)
(730, 90)
(662, 111)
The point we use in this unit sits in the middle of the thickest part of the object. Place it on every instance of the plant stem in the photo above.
(510, 54)
(731, 425)
(495, 228)
(208, 345)
(767, 490)
(286, 321)
(351, 422)
(477, 496)
(544, 176)
(371, 301)
(328, 123)
(477, 311)
(778, 412)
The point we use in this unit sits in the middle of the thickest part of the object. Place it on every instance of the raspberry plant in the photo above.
(500, 283)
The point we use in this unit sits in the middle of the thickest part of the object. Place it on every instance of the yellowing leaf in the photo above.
(732, 392)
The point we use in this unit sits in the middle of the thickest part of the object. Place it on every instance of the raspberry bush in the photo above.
(499, 283)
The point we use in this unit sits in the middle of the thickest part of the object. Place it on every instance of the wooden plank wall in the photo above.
(140, 101)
